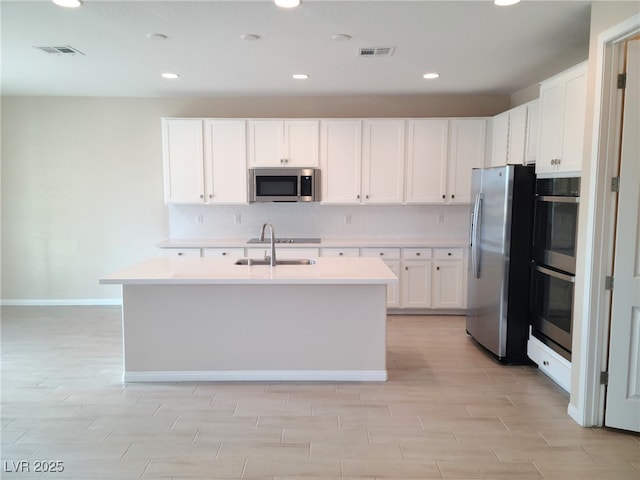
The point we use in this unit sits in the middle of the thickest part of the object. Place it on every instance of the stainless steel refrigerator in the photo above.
(500, 260)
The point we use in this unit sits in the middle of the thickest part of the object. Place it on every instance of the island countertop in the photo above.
(214, 270)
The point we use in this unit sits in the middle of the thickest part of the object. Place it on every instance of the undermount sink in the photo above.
(261, 261)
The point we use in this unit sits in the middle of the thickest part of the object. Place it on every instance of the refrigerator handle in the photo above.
(475, 235)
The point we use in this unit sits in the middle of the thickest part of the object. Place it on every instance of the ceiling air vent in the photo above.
(63, 50)
(376, 52)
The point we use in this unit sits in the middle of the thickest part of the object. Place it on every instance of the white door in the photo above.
(266, 143)
(225, 161)
(301, 143)
(623, 391)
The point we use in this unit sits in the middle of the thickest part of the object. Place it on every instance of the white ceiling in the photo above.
(477, 48)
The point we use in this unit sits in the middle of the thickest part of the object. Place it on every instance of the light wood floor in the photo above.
(447, 411)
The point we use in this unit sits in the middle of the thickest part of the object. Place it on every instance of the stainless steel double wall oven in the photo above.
(554, 261)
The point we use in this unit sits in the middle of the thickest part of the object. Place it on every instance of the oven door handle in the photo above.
(557, 199)
(553, 273)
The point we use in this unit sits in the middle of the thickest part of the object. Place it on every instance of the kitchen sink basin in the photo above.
(261, 261)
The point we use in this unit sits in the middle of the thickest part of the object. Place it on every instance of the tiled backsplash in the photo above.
(315, 220)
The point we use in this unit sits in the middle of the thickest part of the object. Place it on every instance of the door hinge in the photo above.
(622, 80)
(604, 378)
(615, 184)
(608, 283)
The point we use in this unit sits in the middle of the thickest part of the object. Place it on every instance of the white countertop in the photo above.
(362, 242)
(222, 271)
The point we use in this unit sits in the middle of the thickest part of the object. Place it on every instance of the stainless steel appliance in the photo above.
(554, 262)
(499, 269)
(284, 184)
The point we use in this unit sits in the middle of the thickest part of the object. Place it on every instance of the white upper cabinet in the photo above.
(500, 145)
(515, 136)
(225, 163)
(341, 161)
(204, 161)
(427, 158)
(383, 161)
(182, 154)
(283, 143)
(466, 151)
(562, 122)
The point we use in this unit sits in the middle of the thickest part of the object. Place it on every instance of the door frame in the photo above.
(600, 218)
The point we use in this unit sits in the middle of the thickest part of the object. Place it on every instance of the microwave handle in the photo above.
(553, 273)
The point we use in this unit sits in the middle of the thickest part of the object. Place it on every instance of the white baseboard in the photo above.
(259, 376)
(573, 412)
(61, 302)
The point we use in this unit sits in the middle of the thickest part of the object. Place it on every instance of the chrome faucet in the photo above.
(272, 260)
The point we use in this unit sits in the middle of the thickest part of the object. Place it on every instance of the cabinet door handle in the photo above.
(444, 196)
(358, 197)
(406, 268)
(437, 268)
(453, 196)
(367, 196)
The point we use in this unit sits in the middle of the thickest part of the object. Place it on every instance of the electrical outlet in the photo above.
(200, 218)
(237, 218)
(347, 219)
(441, 217)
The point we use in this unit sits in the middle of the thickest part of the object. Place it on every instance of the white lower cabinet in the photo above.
(449, 285)
(550, 363)
(391, 257)
(223, 252)
(415, 279)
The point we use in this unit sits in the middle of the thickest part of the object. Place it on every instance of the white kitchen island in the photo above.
(207, 319)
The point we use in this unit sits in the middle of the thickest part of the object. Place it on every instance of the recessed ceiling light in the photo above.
(68, 3)
(250, 36)
(287, 3)
(170, 76)
(430, 76)
(505, 3)
(341, 37)
(300, 76)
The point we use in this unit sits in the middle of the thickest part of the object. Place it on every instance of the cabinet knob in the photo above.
(282, 160)
(449, 253)
(366, 196)
(358, 197)
(417, 254)
(406, 268)
(453, 196)
(201, 196)
(444, 196)
(437, 268)
(224, 253)
(340, 254)
(210, 196)
(545, 363)
(381, 253)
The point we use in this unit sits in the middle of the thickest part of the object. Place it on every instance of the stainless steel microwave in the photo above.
(284, 185)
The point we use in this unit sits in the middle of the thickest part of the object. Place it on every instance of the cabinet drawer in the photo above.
(340, 252)
(448, 253)
(550, 363)
(416, 253)
(284, 253)
(223, 252)
(180, 252)
(385, 253)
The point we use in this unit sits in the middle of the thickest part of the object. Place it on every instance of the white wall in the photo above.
(82, 182)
